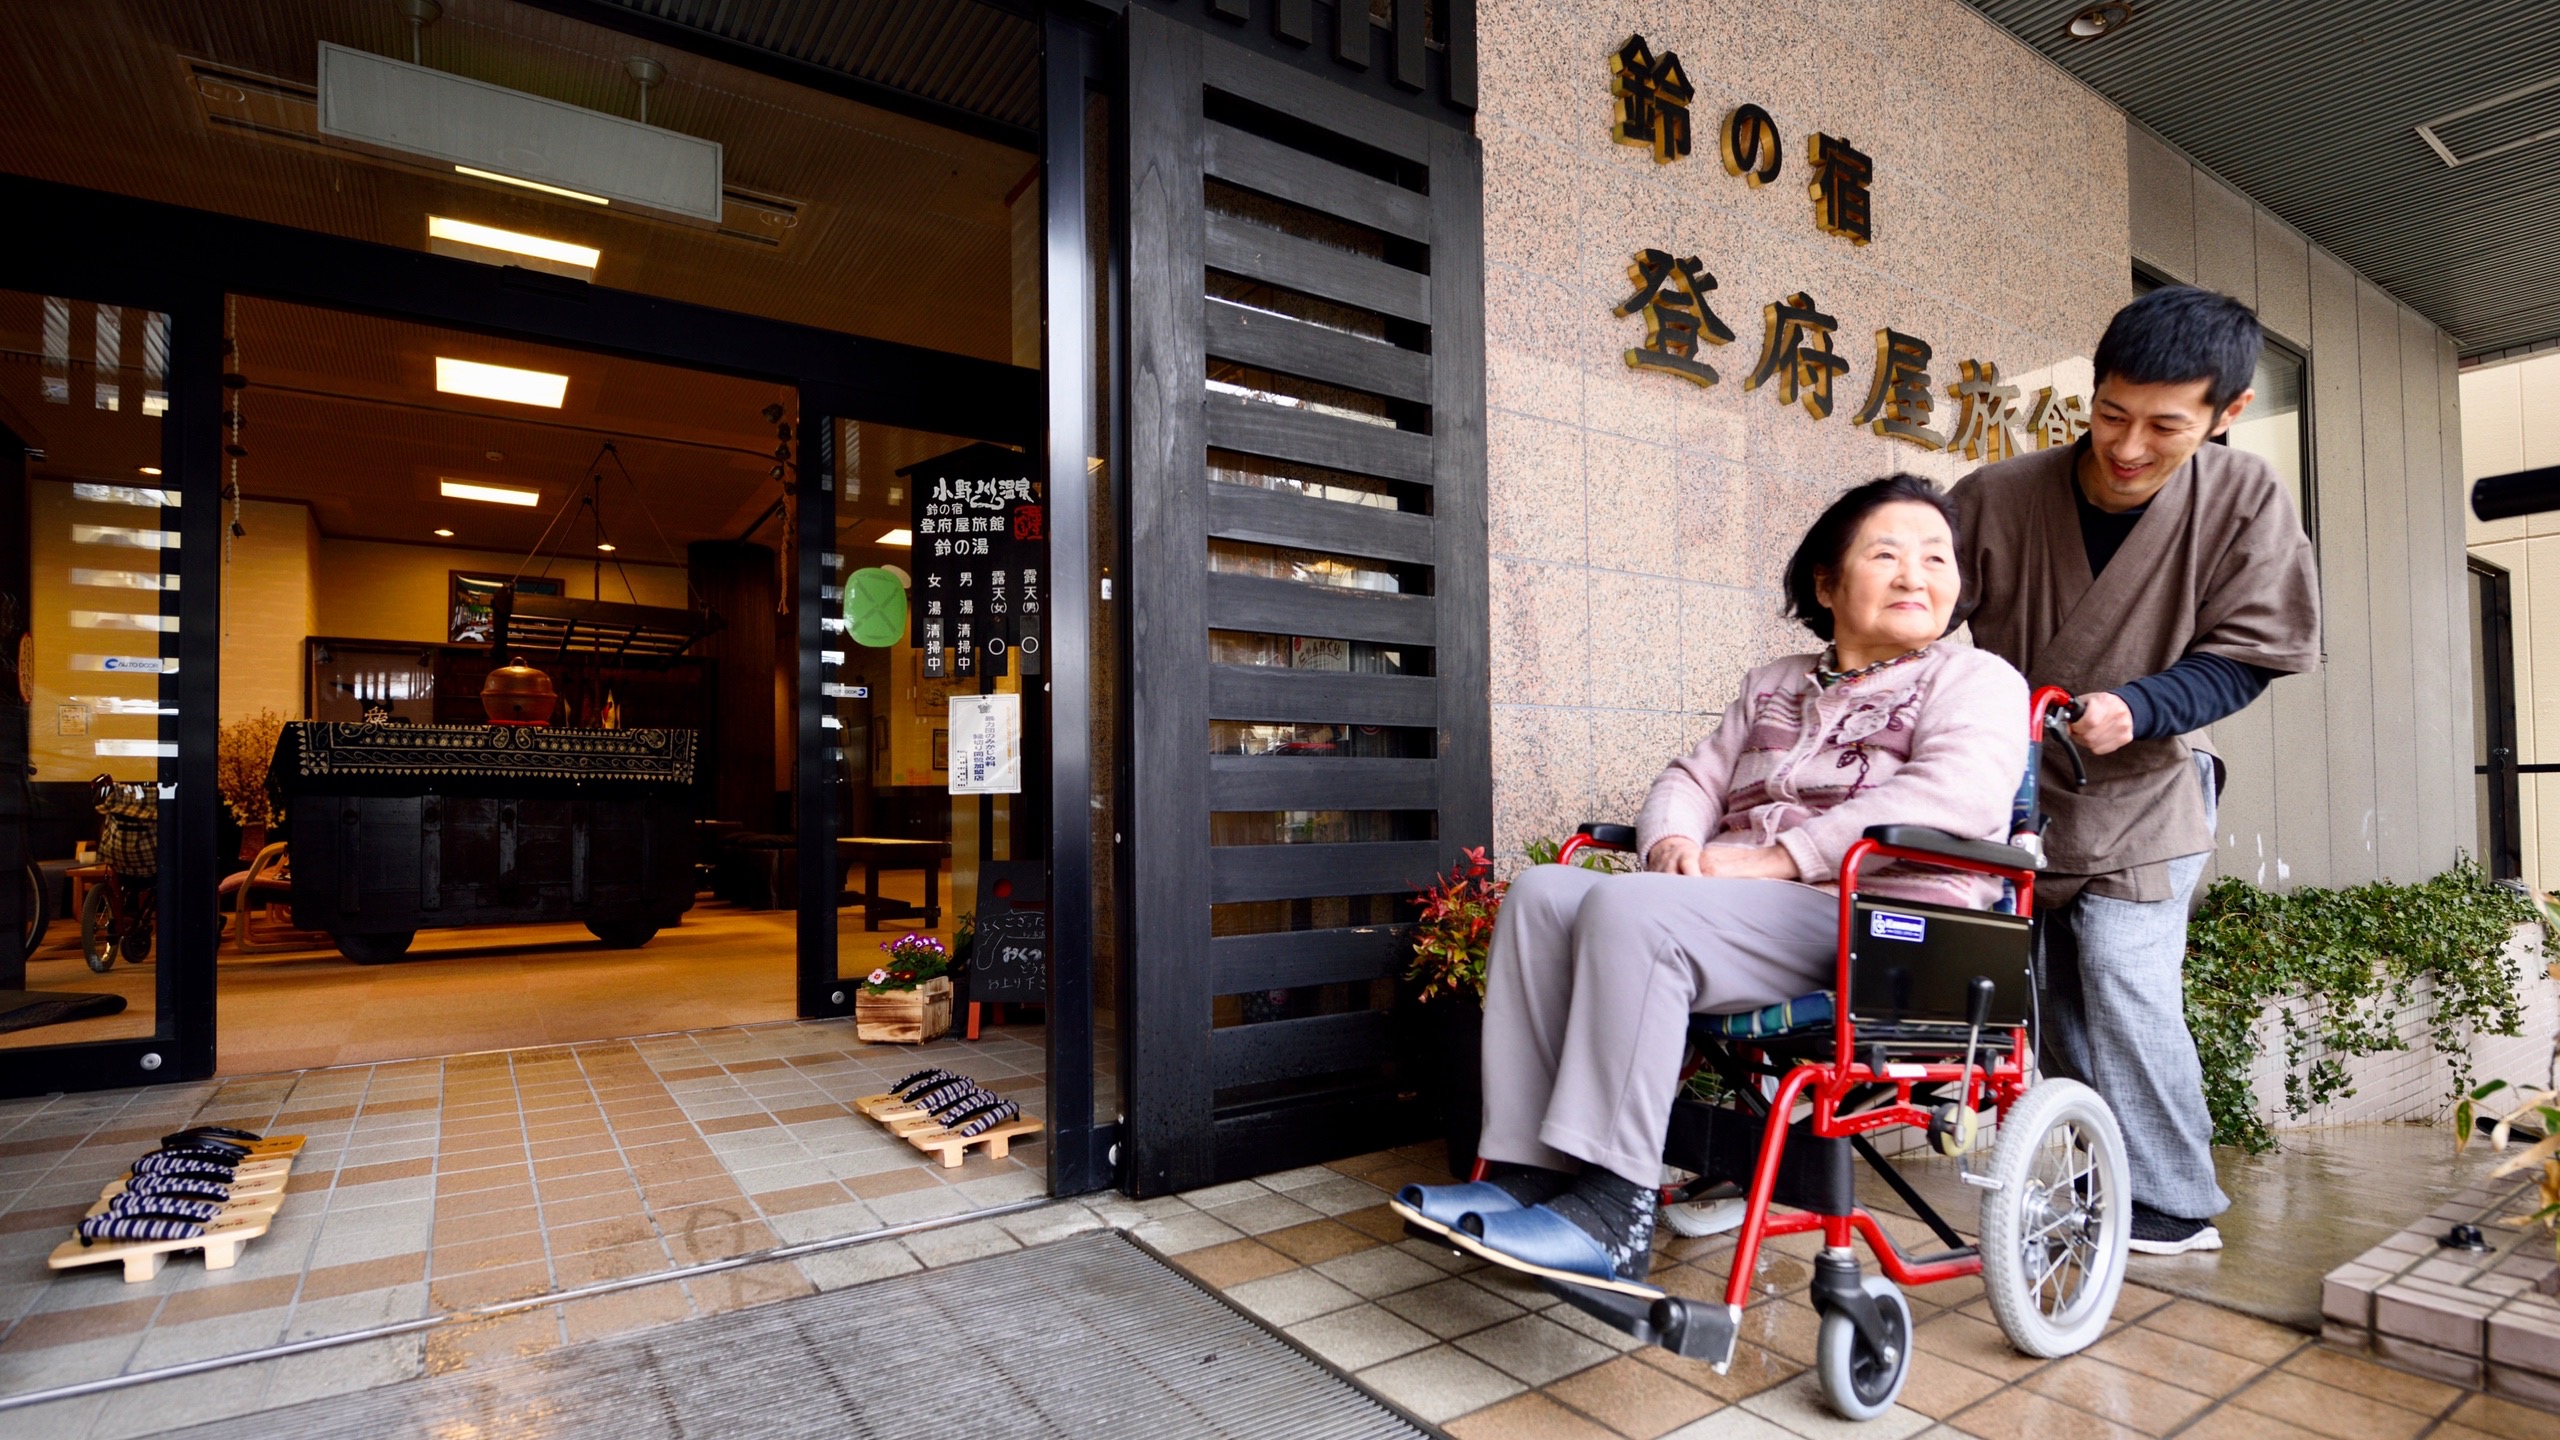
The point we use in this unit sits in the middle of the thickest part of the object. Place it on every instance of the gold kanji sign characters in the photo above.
(1653, 99)
(1673, 296)
(1841, 175)
(1985, 415)
(2056, 419)
(1797, 354)
(1750, 145)
(1899, 398)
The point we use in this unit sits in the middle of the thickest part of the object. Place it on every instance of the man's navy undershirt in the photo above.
(2201, 688)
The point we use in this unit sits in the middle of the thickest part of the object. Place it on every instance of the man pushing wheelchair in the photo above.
(1856, 802)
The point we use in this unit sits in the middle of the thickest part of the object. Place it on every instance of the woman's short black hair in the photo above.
(2179, 333)
(1826, 545)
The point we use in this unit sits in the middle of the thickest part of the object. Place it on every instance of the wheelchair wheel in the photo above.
(98, 928)
(39, 908)
(2056, 1230)
(1859, 1380)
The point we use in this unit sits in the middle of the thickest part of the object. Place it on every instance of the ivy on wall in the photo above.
(2358, 956)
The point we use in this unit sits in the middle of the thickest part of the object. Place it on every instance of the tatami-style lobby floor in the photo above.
(444, 1186)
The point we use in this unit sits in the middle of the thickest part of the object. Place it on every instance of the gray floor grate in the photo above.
(1089, 1336)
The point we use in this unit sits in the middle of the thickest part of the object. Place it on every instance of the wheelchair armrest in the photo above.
(1608, 837)
(1954, 849)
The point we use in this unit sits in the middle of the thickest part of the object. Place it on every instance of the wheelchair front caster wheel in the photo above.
(1862, 1380)
(2058, 1222)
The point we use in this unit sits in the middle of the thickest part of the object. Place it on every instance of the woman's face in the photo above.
(1897, 585)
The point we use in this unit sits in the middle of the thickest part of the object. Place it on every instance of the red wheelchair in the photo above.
(1930, 1022)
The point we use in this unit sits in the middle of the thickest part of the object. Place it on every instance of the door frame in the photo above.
(124, 250)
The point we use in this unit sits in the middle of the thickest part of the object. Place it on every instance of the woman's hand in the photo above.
(1673, 855)
(1746, 862)
(1680, 855)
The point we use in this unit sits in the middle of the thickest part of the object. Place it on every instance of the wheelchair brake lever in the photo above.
(2058, 722)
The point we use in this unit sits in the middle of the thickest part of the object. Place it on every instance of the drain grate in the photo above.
(1089, 1336)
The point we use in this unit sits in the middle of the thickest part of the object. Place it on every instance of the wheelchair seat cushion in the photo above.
(1804, 1012)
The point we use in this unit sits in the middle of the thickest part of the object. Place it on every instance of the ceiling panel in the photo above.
(2314, 109)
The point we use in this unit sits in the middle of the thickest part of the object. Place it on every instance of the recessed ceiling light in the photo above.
(464, 234)
(605, 545)
(900, 536)
(494, 494)
(477, 174)
(444, 534)
(150, 469)
(2100, 20)
(500, 382)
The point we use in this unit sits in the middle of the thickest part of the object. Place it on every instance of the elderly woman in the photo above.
(1592, 977)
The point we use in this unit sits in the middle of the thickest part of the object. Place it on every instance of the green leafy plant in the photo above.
(2541, 1105)
(1544, 849)
(2357, 955)
(913, 960)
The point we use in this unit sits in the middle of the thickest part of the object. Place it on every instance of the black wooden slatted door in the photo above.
(1306, 614)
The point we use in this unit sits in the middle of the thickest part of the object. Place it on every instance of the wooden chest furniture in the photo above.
(402, 828)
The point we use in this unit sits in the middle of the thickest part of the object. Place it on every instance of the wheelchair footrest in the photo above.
(1694, 1329)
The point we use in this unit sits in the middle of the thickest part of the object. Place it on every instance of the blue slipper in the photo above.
(1436, 1208)
(1538, 1241)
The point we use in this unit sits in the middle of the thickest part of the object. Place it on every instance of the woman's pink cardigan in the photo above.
(1938, 741)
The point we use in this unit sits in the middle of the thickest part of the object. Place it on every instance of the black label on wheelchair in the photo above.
(1910, 964)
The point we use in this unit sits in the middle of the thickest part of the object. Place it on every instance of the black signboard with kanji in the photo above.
(981, 557)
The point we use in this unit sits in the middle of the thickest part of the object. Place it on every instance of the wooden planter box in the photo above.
(904, 1017)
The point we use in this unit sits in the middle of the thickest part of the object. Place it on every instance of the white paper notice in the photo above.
(986, 744)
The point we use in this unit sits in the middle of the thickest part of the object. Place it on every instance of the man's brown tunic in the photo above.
(2217, 563)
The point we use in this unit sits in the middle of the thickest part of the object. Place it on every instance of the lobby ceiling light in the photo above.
(493, 494)
(605, 545)
(150, 469)
(2100, 20)
(479, 174)
(900, 536)
(443, 534)
(465, 240)
(500, 382)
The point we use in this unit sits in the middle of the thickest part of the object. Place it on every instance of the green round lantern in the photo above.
(875, 607)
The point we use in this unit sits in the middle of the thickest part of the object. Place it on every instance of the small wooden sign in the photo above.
(1009, 959)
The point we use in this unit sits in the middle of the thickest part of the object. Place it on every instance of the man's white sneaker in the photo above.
(1697, 1219)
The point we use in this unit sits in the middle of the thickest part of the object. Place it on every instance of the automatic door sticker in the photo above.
(1885, 925)
(875, 607)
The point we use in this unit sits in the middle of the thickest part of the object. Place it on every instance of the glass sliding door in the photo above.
(108, 525)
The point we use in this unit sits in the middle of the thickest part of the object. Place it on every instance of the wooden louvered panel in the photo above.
(1287, 607)
(1290, 1049)
(1294, 92)
(1321, 782)
(1283, 433)
(1294, 347)
(1294, 262)
(1270, 168)
(1321, 697)
(1298, 872)
(1274, 517)
(1291, 958)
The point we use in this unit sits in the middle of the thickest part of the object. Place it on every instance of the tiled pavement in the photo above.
(1313, 1252)
(436, 1186)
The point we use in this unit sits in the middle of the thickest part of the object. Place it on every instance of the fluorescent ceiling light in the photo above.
(444, 533)
(900, 536)
(478, 174)
(500, 382)
(605, 545)
(513, 242)
(494, 494)
(150, 469)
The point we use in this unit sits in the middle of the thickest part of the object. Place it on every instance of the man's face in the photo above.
(2140, 434)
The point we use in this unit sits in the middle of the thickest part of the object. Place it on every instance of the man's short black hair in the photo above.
(2179, 333)
(1826, 545)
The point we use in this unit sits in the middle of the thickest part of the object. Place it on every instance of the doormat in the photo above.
(1087, 1336)
(27, 1009)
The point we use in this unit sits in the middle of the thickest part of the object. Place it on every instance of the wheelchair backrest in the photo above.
(1912, 963)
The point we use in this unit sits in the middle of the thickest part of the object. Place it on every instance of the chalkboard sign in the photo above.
(1009, 960)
